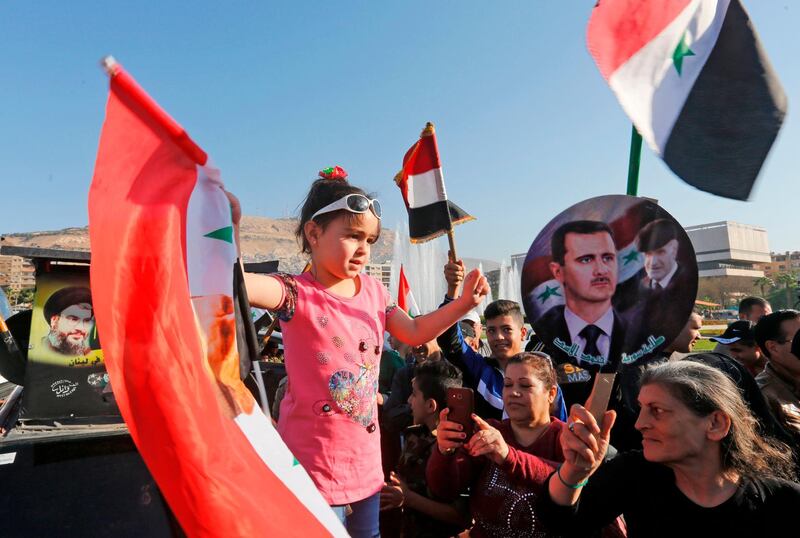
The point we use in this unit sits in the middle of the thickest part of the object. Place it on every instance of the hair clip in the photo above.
(333, 172)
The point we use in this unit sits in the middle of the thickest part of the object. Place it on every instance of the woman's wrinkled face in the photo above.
(671, 432)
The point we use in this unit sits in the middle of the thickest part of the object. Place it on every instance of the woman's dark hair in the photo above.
(541, 363)
(704, 389)
(322, 193)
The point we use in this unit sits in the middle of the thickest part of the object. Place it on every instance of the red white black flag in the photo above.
(430, 213)
(697, 84)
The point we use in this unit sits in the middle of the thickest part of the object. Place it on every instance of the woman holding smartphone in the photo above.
(704, 470)
(504, 464)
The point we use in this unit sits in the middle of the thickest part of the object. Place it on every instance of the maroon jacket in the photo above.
(502, 498)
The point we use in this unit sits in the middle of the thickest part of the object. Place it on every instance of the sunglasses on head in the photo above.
(355, 203)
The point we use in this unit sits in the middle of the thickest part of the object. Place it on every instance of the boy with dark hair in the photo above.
(505, 333)
(504, 307)
(422, 515)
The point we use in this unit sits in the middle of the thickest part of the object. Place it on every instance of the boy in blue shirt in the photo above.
(505, 333)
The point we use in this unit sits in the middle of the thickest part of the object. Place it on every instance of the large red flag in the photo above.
(162, 283)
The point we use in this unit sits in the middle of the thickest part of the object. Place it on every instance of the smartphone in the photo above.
(461, 402)
(597, 404)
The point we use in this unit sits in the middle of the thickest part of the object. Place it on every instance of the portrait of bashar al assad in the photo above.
(609, 281)
(70, 317)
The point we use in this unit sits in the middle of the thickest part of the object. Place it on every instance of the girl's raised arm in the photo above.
(262, 290)
(425, 328)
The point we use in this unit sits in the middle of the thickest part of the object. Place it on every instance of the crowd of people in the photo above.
(711, 446)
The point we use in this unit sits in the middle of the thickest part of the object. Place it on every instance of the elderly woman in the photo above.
(704, 470)
(504, 464)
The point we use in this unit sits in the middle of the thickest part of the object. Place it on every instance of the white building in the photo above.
(729, 249)
(380, 271)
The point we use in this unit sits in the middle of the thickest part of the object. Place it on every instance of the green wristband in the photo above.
(567, 484)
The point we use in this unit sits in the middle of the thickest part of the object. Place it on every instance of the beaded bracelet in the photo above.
(567, 484)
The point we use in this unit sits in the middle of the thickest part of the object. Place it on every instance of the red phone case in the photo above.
(461, 402)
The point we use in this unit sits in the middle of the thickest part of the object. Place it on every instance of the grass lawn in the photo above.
(711, 332)
(704, 345)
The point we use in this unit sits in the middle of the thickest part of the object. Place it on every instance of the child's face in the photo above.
(505, 336)
(420, 408)
(342, 248)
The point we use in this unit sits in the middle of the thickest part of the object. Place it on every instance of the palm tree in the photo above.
(789, 281)
(764, 283)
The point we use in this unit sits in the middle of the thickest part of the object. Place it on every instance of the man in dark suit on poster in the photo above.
(665, 280)
(586, 332)
(587, 335)
(658, 241)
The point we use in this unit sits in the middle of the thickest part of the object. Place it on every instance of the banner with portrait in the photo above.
(608, 283)
(65, 376)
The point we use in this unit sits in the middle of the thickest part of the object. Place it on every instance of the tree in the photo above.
(789, 281)
(17, 297)
(764, 283)
(25, 296)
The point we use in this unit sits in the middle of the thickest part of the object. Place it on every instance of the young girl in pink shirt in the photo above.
(333, 319)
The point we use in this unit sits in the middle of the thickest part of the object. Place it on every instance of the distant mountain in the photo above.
(262, 239)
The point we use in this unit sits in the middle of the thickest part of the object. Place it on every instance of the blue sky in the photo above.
(276, 91)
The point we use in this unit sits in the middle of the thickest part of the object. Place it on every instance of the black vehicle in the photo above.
(67, 462)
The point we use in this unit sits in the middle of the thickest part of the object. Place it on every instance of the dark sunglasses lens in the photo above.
(359, 204)
(376, 207)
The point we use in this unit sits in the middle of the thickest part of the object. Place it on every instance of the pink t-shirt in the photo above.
(329, 415)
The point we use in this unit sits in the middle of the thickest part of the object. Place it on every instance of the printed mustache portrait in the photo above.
(609, 281)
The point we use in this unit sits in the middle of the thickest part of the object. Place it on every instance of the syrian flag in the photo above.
(405, 298)
(696, 82)
(162, 283)
(430, 213)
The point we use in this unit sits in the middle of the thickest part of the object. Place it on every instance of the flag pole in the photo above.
(633, 162)
(429, 130)
(8, 339)
(451, 238)
(121, 80)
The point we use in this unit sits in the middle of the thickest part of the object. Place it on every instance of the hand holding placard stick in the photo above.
(596, 405)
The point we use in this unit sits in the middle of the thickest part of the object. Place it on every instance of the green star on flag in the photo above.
(223, 234)
(681, 51)
(631, 256)
(547, 293)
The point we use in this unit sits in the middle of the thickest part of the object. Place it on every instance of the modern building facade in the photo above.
(729, 248)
